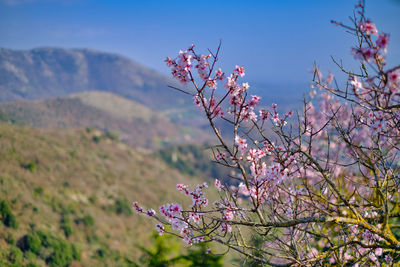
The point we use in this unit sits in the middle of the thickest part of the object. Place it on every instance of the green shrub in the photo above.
(101, 253)
(165, 252)
(38, 191)
(111, 135)
(63, 253)
(30, 242)
(30, 256)
(66, 225)
(86, 220)
(93, 199)
(7, 217)
(15, 256)
(96, 138)
(30, 166)
(122, 206)
(60, 251)
(10, 239)
(197, 257)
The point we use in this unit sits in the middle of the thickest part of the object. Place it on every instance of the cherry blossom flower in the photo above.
(241, 143)
(364, 53)
(218, 185)
(225, 228)
(160, 229)
(239, 70)
(150, 213)
(245, 86)
(254, 100)
(355, 82)
(136, 207)
(383, 41)
(220, 156)
(368, 27)
(219, 75)
(264, 115)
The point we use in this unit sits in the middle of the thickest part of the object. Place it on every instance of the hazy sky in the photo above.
(276, 41)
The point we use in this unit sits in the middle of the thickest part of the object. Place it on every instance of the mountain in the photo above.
(65, 196)
(53, 72)
(133, 123)
(56, 72)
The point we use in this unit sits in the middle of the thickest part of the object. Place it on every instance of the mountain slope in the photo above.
(51, 72)
(134, 123)
(75, 187)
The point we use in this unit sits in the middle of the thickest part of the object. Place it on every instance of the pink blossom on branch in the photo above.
(368, 27)
(319, 188)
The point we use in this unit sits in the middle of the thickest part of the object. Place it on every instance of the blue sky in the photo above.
(276, 41)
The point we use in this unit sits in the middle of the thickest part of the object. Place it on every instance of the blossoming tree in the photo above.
(318, 189)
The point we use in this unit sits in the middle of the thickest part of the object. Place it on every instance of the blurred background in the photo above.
(88, 123)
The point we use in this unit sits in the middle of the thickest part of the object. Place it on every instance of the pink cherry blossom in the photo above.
(239, 70)
(383, 41)
(368, 27)
(160, 229)
(218, 185)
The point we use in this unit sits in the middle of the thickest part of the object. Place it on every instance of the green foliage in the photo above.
(198, 257)
(10, 239)
(86, 220)
(29, 255)
(160, 254)
(92, 199)
(193, 160)
(66, 225)
(31, 242)
(8, 118)
(111, 135)
(122, 206)
(15, 256)
(35, 209)
(96, 138)
(38, 191)
(30, 166)
(7, 217)
(101, 253)
(61, 252)
(166, 252)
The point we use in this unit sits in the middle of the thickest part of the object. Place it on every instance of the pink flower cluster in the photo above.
(203, 67)
(198, 197)
(368, 27)
(218, 185)
(181, 66)
(371, 52)
(149, 213)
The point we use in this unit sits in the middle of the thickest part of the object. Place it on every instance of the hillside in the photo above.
(54, 72)
(194, 160)
(133, 123)
(71, 190)
(50, 72)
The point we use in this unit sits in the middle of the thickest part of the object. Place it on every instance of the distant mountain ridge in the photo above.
(52, 72)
